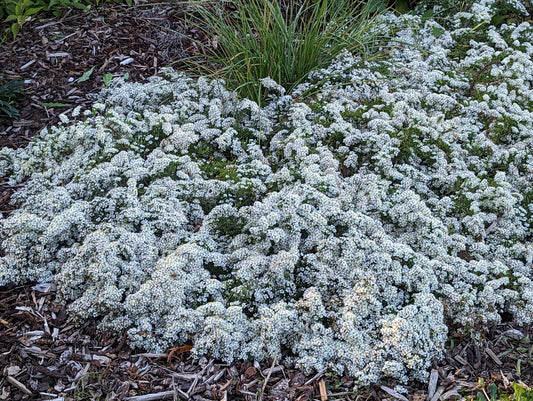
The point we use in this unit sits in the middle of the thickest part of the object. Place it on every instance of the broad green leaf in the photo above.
(522, 393)
(427, 15)
(126, 76)
(493, 392)
(32, 11)
(86, 75)
(15, 29)
(498, 19)
(107, 78)
(437, 31)
(80, 6)
(401, 6)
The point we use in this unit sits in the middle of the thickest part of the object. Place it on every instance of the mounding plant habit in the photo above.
(349, 229)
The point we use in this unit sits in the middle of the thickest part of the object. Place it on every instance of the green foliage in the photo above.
(10, 91)
(285, 42)
(86, 75)
(492, 393)
(16, 13)
(87, 388)
(107, 78)
(522, 393)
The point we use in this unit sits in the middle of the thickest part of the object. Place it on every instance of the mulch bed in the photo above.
(46, 355)
(51, 55)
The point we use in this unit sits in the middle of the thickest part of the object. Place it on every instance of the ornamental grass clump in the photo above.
(345, 230)
(283, 40)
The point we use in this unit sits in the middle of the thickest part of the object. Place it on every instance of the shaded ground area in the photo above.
(45, 354)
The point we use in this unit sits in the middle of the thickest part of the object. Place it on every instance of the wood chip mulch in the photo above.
(51, 56)
(46, 355)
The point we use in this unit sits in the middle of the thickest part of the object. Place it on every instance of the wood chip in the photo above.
(225, 386)
(57, 54)
(513, 334)
(267, 378)
(195, 382)
(164, 395)
(491, 227)
(127, 61)
(322, 389)
(394, 393)
(152, 355)
(185, 376)
(247, 392)
(437, 394)
(494, 357)
(27, 64)
(22, 123)
(506, 381)
(13, 370)
(216, 377)
(250, 372)
(454, 392)
(19, 385)
(315, 377)
(45, 287)
(275, 369)
(432, 386)
(461, 360)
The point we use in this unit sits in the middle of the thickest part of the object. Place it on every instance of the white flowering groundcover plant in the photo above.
(347, 225)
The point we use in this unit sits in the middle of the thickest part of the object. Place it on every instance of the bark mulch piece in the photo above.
(45, 354)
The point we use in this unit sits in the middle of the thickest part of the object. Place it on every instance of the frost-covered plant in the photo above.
(350, 228)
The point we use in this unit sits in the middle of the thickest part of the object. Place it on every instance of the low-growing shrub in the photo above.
(349, 229)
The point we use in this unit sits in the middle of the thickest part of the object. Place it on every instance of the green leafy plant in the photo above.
(16, 13)
(107, 78)
(518, 392)
(281, 40)
(522, 392)
(89, 387)
(10, 91)
(86, 75)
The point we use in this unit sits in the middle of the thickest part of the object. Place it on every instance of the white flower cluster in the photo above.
(349, 227)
